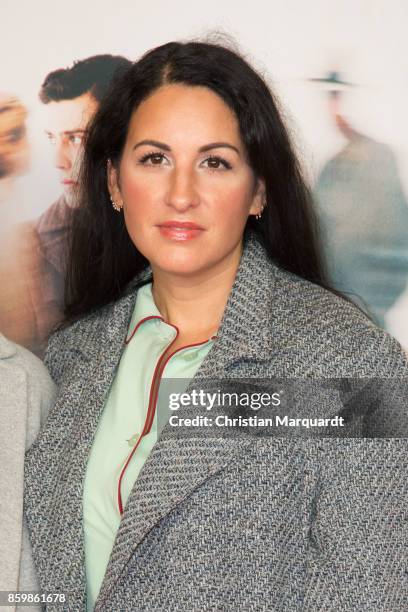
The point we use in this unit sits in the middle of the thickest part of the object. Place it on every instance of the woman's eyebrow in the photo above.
(152, 143)
(203, 149)
(218, 145)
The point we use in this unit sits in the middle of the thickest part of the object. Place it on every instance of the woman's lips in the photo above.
(180, 231)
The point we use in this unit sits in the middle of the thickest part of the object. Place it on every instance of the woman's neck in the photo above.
(195, 305)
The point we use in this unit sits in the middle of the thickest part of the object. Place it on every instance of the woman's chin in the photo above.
(179, 270)
(180, 266)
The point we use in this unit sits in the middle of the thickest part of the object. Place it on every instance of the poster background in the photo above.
(289, 41)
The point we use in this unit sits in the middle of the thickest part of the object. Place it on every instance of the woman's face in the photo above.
(184, 181)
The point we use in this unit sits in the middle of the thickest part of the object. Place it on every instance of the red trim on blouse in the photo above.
(139, 324)
(154, 392)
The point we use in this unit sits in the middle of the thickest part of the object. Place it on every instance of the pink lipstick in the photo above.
(180, 230)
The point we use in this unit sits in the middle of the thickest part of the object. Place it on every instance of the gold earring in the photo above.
(262, 209)
(116, 207)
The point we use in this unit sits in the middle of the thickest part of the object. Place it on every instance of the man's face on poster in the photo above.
(66, 124)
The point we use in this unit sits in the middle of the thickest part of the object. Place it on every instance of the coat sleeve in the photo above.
(358, 539)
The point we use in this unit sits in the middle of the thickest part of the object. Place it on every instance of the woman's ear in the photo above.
(259, 198)
(113, 183)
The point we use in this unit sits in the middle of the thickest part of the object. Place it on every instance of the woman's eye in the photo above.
(152, 159)
(217, 163)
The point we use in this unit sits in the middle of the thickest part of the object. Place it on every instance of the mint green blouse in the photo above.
(120, 426)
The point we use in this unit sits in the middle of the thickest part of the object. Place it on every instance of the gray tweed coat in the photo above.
(282, 523)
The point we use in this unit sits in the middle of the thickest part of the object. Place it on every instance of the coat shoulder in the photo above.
(328, 329)
(96, 331)
(67, 342)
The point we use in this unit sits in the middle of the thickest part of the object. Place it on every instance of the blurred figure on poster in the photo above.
(19, 260)
(14, 154)
(31, 304)
(364, 215)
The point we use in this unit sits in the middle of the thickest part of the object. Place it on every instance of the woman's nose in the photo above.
(182, 193)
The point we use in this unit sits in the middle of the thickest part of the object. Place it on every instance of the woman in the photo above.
(26, 395)
(194, 255)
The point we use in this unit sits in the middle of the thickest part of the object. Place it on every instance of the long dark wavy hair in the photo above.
(103, 258)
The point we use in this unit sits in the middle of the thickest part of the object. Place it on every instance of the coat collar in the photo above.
(248, 309)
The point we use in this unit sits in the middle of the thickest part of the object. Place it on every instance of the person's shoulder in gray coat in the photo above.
(27, 392)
